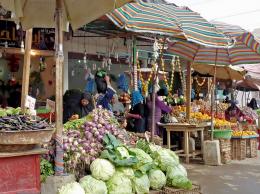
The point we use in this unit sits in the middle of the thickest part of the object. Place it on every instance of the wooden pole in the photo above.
(188, 92)
(59, 167)
(26, 68)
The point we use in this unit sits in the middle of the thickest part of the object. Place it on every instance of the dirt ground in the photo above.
(238, 177)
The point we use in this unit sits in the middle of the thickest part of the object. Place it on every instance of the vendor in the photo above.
(253, 104)
(135, 117)
(160, 106)
(82, 109)
(104, 89)
(233, 113)
(117, 107)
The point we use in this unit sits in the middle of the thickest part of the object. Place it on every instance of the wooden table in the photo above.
(186, 129)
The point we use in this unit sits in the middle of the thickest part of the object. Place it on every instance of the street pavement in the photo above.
(238, 177)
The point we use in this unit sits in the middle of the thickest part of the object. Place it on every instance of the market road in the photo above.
(238, 177)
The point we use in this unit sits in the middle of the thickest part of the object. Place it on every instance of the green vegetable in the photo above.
(141, 185)
(157, 179)
(46, 169)
(119, 184)
(128, 172)
(117, 153)
(71, 188)
(92, 185)
(177, 178)
(102, 169)
(145, 162)
(165, 158)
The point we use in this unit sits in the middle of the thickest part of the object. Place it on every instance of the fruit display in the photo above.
(83, 142)
(200, 117)
(128, 170)
(222, 124)
(124, 98)
(11, 120)
(244, 133)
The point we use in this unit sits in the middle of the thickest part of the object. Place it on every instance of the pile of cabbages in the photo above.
(83, 144)
(152, 168)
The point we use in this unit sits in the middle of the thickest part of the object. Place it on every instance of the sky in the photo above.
(245, 13)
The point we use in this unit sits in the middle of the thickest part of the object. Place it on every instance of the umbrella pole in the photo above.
(135, 64)
(213, 97)
(188, 92)
(26, 68)
(153, 94)
(59, 165)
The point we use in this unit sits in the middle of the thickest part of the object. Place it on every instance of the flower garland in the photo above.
(200, 84)
(145, 83)
(169, 87)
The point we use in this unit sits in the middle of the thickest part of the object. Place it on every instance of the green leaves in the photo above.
(117, 153)
(46, 169)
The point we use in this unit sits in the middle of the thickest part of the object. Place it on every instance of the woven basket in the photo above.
(251, 147)
(156, 192)
(238, 149)
(170, 190)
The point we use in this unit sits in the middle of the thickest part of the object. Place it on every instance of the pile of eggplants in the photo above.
(22, 122)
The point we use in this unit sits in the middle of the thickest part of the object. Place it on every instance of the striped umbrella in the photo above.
(170, 20)
(245, 51)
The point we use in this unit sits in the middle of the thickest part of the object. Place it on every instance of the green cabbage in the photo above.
(177, 178)
(128, 172)
(145, 162)
(157, 179)
(141, 185)
(102, 169)
(92, 185)
(71, 188)
(119, 184)
(164, 158)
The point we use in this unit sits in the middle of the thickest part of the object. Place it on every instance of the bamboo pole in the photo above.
(59, 166)
(26, 68)
(188, 92)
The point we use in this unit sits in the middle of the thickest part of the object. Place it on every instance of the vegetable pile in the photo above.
(127, 170)
(83, 142)
(10, 120)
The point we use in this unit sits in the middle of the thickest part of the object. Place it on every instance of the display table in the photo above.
(20, 172)
(187, 129)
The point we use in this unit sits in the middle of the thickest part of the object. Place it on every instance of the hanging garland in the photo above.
(169, 87)
(145, 83)
(200, 84)
(178, 63)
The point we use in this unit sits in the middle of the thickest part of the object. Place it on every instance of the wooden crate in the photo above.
(170, 190)
(225, 150)
(238, 148)
(251, 147)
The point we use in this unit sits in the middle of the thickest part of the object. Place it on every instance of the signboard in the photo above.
(42, 38)
(50, 105)
(30, 102)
